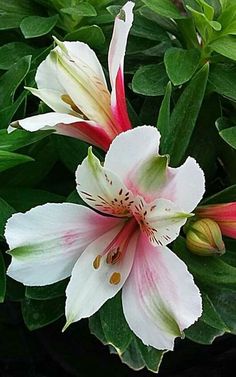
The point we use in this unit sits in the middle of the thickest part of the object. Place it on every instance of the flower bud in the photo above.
(204, 238)
(224, 214)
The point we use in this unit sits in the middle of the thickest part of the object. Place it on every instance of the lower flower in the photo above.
(124, 246)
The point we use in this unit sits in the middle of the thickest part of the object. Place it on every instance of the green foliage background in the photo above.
(180, 74)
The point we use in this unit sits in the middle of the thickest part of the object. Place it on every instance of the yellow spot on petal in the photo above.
(115, 278)
(97, 261)
(65, 98)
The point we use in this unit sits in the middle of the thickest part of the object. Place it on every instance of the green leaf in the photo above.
(6, 211)
(92, 35)
(36, 26)
(202, 333)
(163, 121)
(222, 79)
(10, 21)
(10, 80)
(148, 29)
(20, 138)
(225, 46)
(208, 270)
(47, 292)
(223, 300)
(229, 135)
(2, 277)
(37, 314)
(150, 80)
(110, 327)
(225, 196)
(71, 151)
(114, 325)
(25, 198)
(9, 160)
(183, 118)
(11, 52)
(181, 64)
(210, 315)
(80, 10)
(165, 8)
(44, 157)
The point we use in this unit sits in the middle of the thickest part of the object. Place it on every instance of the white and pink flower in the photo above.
(140, 205)
(72, 83)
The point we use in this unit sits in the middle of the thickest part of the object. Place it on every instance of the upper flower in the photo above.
(72, 83)
(142, 203)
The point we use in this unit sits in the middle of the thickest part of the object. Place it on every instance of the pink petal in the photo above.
(159, 298)
(123, 23)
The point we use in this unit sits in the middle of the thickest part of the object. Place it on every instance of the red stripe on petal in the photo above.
(119, 108)
(91, 133)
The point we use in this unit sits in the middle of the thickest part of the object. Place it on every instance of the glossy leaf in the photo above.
(202, 333)
(115, 328)
(36, 26)
(11, 52)
(2, 277)
(183, 118)
(80, 10)
(25, 198)
(38, 314)
(222, 79)
(165, 8)
(208, 270)
(92, 35)
(225, 196)
(225, 46)
(5, 212)
(47, 292)
(150, 80)
(10, 80)
(181, 64)
(20, 138)
(163, 121)
(9, 160)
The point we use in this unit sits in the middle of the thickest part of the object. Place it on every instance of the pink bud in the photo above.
(223, 214)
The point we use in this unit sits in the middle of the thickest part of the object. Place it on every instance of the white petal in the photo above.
(89, 288)
(160, 220)
(46, 75)
(53, 99)
(185, 186)
(123, 23)
(101, 188)
(130, 149)
(45, 121)
(46, 241)
(86, 90)
(82, 52)
(159, 298)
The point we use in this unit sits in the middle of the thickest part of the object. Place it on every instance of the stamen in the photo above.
(97, 261)
(113, 256)
(115, 278)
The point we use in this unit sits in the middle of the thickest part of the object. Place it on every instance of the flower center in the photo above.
(115, 251)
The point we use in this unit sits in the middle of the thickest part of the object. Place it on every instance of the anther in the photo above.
(115, 278)
(97, 261)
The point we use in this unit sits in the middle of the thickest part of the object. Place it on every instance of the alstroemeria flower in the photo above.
(224, 214)
(142, 204)
(72, 83)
